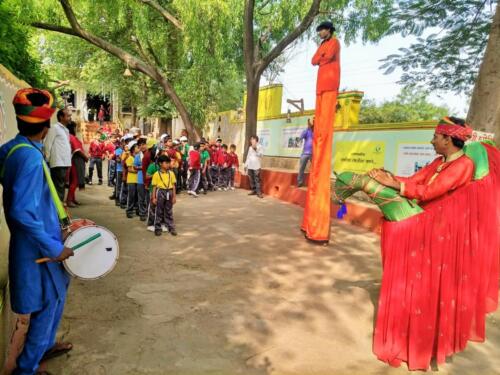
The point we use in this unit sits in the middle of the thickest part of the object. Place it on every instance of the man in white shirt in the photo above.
(253, 165)
(58, 151)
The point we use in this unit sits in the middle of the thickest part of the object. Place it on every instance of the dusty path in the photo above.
(239, 291)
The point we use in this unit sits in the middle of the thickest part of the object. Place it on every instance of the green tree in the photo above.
(166, 40)
(409, 105)
(16, 53)
(462, 52)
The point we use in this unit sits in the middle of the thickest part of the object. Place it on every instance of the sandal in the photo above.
(57, 350)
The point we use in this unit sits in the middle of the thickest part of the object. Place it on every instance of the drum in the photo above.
(95, 259)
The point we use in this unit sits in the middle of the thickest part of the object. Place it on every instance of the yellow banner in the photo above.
(358, 156)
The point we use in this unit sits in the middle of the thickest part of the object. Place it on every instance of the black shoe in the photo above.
(143, 218)
(112, 197)
(123, 207)
(100, 182)
(130, 216)
(173, 232)
(158, 232)
(117, 204)
(252, 193)
(260, 196)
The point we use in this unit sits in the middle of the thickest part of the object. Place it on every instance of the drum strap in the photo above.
(61, 212)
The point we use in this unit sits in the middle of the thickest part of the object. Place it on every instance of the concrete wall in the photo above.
(9, 84)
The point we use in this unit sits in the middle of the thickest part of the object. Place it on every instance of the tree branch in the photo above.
(153, 54)
(289, 39)
(59, 29)
(132, 61)
(163, 12)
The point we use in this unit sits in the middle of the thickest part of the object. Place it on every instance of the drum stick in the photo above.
(74, 248)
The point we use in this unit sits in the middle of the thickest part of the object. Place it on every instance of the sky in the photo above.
(360, 71)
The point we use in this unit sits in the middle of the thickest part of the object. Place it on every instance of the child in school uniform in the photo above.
(234, 165)
(124, 190)
(194, 170)
(132, 170)
(222, 163)
(164, 196)
(205, 165)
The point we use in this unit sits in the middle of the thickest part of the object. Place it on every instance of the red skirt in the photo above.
(440, 275)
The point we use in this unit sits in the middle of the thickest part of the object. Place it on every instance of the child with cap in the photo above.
(164, 196)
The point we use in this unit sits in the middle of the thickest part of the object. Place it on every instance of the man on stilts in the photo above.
(316, 221)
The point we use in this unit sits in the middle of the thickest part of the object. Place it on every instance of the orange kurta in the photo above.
(316, 221)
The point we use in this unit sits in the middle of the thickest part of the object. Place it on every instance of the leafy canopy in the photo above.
(16, 51)
(409, 105)
(448, 58)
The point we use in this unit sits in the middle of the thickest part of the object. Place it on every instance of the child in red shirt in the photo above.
(223, 161)
(234, 165)
(96, 151)
(194, 161)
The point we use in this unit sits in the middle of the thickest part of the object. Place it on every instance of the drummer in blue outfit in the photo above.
(38, 291)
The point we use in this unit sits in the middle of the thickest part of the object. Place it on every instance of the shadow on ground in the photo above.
(239, 291)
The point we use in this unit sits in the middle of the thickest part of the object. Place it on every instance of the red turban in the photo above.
(30, 112)
(447, 127)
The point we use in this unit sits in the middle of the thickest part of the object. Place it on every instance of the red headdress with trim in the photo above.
(446, 126)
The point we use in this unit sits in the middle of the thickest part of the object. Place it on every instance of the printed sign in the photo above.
(481, 136)
(264, 138)
(290, 138)
(358, 156)
(412, 157)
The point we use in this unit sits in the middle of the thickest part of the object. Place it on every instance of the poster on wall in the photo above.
(358, 156)
(291, 140)
(478, 136)
(411, 157)
(264, 138)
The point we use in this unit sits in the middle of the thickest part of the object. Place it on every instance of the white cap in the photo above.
(163, 136)
(176, 142)
(184, 138)
(131, 144)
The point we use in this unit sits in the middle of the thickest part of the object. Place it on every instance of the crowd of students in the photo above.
(147, 174)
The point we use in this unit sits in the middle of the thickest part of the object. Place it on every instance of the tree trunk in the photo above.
(251, 111)
(484, 110)
(193, 133)
(134, 116)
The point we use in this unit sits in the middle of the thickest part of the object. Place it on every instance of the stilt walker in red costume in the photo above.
(316, 221)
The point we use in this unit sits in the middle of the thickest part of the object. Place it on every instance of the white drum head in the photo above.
(95, 259)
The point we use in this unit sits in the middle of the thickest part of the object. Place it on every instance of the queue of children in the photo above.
(149, 175)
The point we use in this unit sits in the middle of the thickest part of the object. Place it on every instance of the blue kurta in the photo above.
(35, 231)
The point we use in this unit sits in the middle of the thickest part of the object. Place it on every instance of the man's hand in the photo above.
(385, 178)
(174, 199)
(65, 254)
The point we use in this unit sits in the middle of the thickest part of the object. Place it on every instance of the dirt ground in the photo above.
(239, 291)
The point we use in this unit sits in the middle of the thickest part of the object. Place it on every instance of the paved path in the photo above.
(239, 291)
